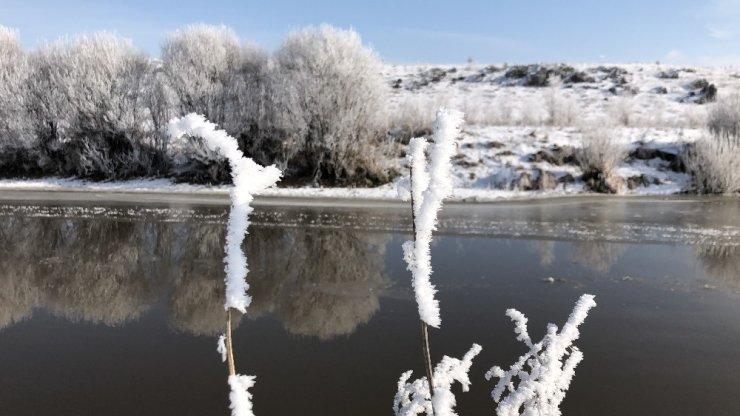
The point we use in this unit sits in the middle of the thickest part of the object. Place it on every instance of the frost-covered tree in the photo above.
(253, 109)
(160, 102)
(331, 102)
(200, 61)
(14, 141)
(86, 102)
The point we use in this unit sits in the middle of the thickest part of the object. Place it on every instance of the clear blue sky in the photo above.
(423, 31)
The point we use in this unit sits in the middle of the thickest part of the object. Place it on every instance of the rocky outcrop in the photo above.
(700, 92)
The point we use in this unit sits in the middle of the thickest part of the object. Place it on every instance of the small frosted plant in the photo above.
(543, 376)
(248, 178)
(430, 182)
(412, 398)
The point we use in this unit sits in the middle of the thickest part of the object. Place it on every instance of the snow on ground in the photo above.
(519, 140)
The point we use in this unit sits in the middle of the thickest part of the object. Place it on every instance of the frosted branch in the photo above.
(542, 388)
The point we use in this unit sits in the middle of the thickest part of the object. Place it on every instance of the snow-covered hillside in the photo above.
(525, 124)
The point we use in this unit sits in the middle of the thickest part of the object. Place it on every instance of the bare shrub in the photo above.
(414, 115)
(332, 97)
(622, 111)
(713, 159)
(600, 154)
(561, 110)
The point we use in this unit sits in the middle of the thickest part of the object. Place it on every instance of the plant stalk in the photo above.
(426, 351)
(229, 346)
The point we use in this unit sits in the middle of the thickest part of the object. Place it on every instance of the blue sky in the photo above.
(423, 31)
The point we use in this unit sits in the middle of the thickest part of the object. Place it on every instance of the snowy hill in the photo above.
(526, 124)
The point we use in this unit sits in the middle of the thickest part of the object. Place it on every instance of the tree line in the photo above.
(95, 106)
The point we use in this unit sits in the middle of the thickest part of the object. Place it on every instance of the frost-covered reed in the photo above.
(249, 178)
(543, 376)
(431, 182)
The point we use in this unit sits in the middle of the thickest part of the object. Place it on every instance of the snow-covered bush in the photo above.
(331, 100)
(713, 159)
(413, 398)
(85, 100)
(601, 152)
(545, 371)
(200, 61)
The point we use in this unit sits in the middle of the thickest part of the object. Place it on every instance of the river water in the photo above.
(114, 308)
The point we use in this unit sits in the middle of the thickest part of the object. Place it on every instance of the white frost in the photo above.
(240, 397)
(413, 398)
(248, 178)
(221, 347)
(543, 376)
(430, 184)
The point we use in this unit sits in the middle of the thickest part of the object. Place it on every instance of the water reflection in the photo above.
(722, 264)
(319, 282)
(598, 256)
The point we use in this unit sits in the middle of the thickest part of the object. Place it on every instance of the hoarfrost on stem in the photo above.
(413, 398)
(430, 184)
(240, 397)
(249, 178)
(543, 376)
(221, 347)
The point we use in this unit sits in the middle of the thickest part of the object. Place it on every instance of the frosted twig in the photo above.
(543, 376)
(413, 398)
(248, 178)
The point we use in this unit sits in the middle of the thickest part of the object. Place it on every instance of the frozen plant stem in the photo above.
(426, 350)
(248, 178)
(430, 182)
(229, 346)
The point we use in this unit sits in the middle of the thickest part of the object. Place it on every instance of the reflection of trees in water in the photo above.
(319, 282)
(77, 269)
(546, 251)
(599, 256)
(195, 261)
(722, 263)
